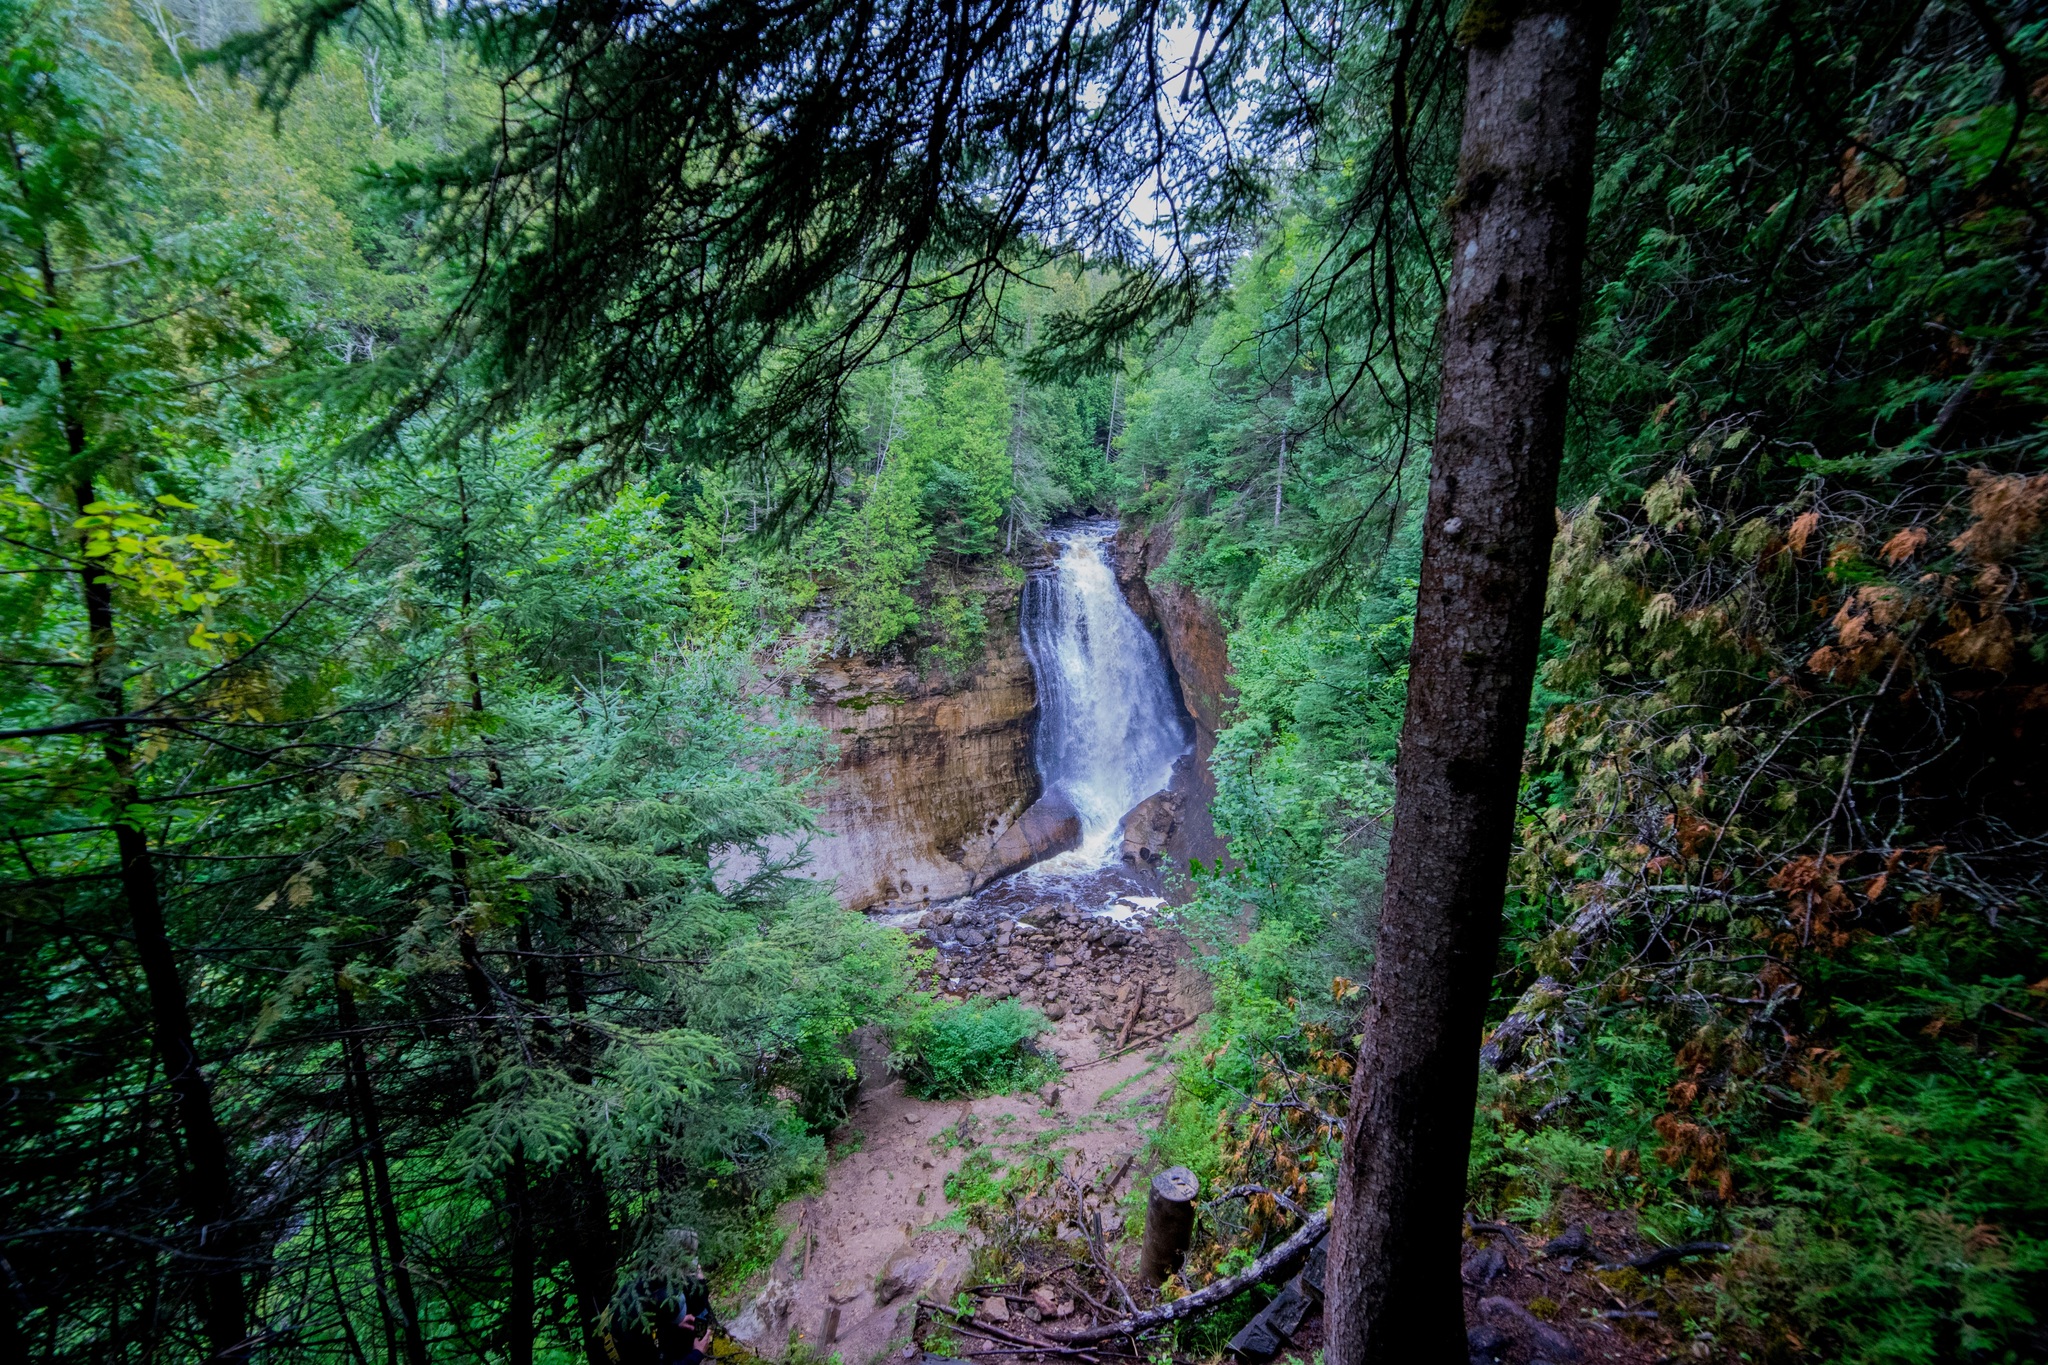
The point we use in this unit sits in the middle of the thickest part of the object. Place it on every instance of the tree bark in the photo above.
(1518, 237)
(207, 1181)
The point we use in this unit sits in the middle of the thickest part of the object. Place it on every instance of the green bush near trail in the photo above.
(972, 1048)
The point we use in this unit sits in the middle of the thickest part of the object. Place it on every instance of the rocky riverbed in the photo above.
(1119, 969)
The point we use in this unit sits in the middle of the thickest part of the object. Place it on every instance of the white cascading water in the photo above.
(1109, 725)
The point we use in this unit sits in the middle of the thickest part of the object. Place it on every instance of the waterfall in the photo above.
(1109, 725)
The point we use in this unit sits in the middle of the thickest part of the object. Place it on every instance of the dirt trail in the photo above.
(882, 1233)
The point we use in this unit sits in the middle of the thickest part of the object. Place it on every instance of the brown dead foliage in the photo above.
(1978, 640)
(1700, 1151)
(1819, 905)
(1904, 545)
(1802, 529)
(1866, 632)
(2007, 511)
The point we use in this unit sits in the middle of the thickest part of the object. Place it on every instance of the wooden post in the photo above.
(1169, 1224)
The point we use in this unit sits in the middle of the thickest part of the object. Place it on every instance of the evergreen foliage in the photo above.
(1778, 892)
(422, 490)
(972, 1047)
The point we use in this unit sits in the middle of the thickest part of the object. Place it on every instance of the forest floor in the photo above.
(891, 1226)
(925, 1198)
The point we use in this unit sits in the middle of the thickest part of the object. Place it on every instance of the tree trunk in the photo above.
(593, 1253)
(380, 1171)
(1518, 236)
(519, 1297)
(593, 1250)
(208, 1181)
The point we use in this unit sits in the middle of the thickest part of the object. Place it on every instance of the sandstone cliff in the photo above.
(934, 777)
(1197, 645)
(935, 793)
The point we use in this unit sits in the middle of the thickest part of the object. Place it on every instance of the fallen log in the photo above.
(1142, 1043)
(1137, 1007)
(1208, 1296)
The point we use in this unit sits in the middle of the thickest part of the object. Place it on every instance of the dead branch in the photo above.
(1245, 1191)
(1208, 1296)
(1144, 1042)
(1131, 1022)
(1663, 1256)
(1498, 1229)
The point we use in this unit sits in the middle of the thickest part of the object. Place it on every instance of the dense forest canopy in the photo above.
(440, 440)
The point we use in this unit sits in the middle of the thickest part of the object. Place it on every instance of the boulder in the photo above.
(1147, 827)
(870, 1057)
(907, 1271)
(1484, 1266)
(764, 1323)
(1313, 1268)
(1573, 1241)
(1486, 1345)
(1051, 825)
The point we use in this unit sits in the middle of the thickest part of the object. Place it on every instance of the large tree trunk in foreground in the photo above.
(1518, 234)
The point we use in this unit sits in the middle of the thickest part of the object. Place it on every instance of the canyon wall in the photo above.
(1197, 645)
(932, 774)
(935, 793)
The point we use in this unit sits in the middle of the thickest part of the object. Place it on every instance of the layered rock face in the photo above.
(934, 780)
(935, 793)
(1177, 821)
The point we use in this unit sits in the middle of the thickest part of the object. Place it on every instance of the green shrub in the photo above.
(972, 1048)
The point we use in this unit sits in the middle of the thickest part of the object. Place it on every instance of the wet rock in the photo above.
(1313, 1268)
(1285, 1312)
(1051, 825)
(972, 937)
(1573, 1241)
(1148, 827)
(1486, 1345)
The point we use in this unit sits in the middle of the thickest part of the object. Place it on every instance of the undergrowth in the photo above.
(974, 1047)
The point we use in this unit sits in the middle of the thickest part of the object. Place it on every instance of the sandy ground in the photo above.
(882, 1233)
